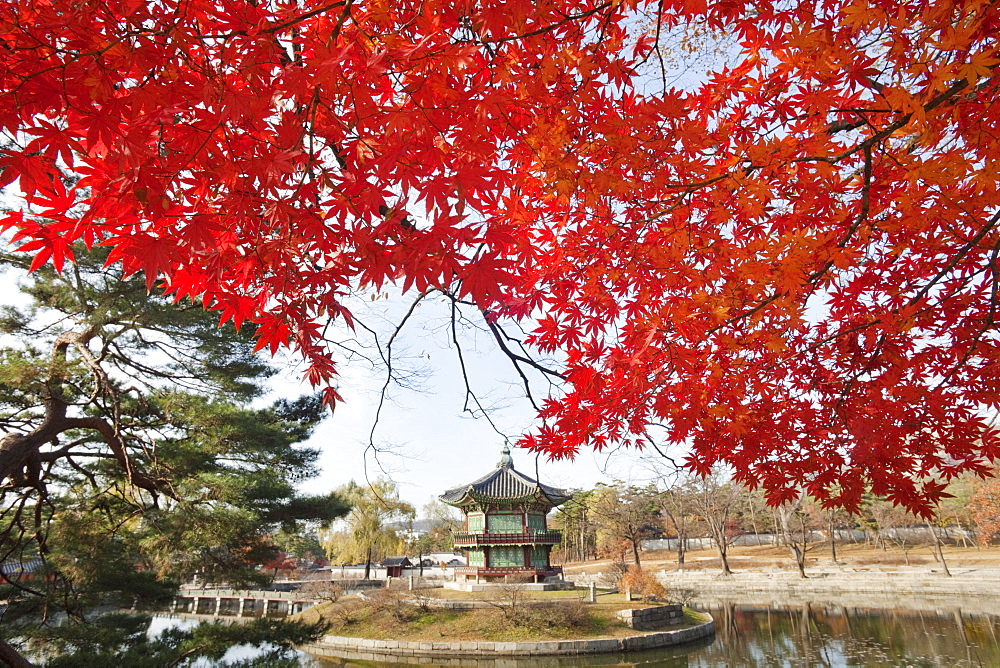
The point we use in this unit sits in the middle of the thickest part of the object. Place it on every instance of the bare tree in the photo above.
(718, 499)
(625, 513)
(677, 507)
(939, 553)
(798, 529)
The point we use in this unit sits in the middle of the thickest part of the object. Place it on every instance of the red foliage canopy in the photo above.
(790, 266)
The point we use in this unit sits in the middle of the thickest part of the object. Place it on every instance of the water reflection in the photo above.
(825, 634)
(840, 636)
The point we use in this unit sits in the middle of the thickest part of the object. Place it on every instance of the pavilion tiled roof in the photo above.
(19, 568)
(504, 484)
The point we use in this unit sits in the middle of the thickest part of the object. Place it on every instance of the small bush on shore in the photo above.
(645, 584)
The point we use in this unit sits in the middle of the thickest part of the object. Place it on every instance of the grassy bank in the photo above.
(388, 615)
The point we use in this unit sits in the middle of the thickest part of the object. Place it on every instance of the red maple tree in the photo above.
(789, 265)
(984, 509)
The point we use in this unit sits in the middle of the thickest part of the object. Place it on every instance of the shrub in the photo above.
(642, 583)
(616, 571)
(325, 590)
(394, 604)
(567, 614)
(511, 601)
(345, 612)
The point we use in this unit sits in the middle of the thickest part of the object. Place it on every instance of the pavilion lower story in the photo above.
(508, 563)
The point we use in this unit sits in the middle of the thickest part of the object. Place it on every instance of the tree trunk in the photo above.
(800, 557)
(635, 551)
(938, 551)
(11, 657)
(753, 522)
(725, 562)
(368, 562)
(833, 539)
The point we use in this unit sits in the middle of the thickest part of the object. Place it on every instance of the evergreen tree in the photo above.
(132, 456)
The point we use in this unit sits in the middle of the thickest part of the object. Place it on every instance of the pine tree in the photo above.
(132, 455)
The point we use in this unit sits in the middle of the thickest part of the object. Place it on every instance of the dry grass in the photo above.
(455, 594)
(386, 616)
(770, 556)
(893, 559)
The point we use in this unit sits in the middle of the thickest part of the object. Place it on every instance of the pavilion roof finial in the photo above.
(506, 461)
(504, 485)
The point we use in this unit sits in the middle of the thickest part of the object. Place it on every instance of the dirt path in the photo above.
(756, 558)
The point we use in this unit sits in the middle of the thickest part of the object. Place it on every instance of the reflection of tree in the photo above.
(836, 636)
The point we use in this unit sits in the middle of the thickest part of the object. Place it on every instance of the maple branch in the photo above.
(550, 27)
(861, 218)
(77, 56)
(465, 376)
(676, 468)
(957, 258)
(340, 24)
(517, 367)
(865, 200)
(995, 284)
(956, 87)
(745, 314)
(387, 359)
(816, 344)
(656, 40)
(500, 335)
(307, 15)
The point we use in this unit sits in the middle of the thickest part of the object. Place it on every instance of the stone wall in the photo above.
(645, 619)
(974, 590)
(363, 649)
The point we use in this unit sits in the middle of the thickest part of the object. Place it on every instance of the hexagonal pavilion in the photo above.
(505, 531)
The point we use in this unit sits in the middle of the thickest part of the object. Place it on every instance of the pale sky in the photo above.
(425, 442)
(430, 446)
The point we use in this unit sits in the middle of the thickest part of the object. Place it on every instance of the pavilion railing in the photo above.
(467, 539)
(489, 571)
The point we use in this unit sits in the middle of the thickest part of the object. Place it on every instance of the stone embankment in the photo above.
(362, 649)
(644, 619)
(973, 589)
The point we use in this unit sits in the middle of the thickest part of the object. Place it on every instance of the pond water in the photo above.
(810, 635)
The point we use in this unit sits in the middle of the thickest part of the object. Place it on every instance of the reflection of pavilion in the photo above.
(505, 527)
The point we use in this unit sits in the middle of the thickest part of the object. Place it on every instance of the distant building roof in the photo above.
(397, 561)
(504, 484)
